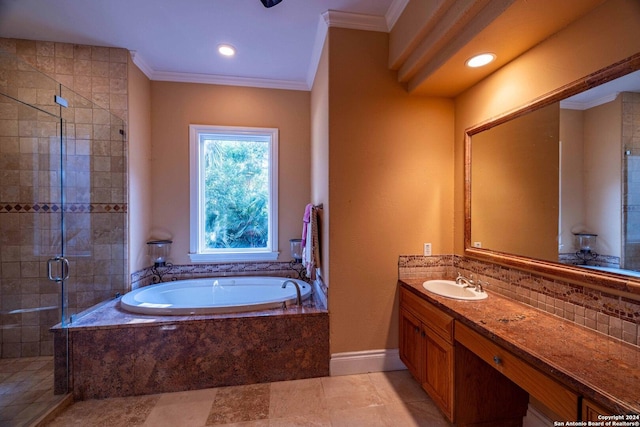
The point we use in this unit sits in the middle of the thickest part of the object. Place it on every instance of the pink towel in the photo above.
(311, 245)
(305, 221)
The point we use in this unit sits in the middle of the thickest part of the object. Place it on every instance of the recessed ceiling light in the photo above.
(480, 60)
(226, 50)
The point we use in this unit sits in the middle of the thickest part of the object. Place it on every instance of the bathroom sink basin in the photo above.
(450, 289)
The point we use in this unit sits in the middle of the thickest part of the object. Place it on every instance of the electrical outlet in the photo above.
(477, 244)
(427, 249)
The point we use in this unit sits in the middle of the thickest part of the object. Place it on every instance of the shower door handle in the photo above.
(64, 269)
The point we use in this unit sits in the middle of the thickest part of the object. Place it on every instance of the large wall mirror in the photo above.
(567, 165)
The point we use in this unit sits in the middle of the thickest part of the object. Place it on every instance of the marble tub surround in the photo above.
(612, 315)
(114, 353)
(601, 368)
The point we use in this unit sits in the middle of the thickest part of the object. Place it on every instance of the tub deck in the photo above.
(115, 353)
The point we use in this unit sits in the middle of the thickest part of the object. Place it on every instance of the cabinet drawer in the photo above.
(556, 397)
(440, 322)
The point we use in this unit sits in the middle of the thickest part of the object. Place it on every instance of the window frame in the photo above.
(197, 251)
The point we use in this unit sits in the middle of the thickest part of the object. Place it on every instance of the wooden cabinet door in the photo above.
(590, 411)
(411, 344)
(438, 375)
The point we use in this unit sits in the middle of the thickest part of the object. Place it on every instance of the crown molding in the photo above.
(167, 76)
(141, 63)
(229, 80)
(394, 12)
(355, 21)
(316, 52)
(585, 105)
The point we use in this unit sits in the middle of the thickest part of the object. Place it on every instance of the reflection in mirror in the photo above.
(561, 183)
(514, 179)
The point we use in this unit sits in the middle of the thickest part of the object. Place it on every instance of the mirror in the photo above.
(568, 202)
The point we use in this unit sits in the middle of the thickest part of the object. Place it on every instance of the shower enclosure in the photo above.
(631, 212)
(62, 228)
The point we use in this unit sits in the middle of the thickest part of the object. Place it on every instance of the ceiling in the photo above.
(603, 93)
(279, 47)
(178, 39)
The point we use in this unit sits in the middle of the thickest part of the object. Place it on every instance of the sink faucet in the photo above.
(298, 295)
(468, 283)
(477, 285)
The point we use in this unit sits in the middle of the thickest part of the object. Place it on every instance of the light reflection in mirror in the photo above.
(561, 166)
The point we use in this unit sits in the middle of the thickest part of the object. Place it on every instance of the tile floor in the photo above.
(26, 389)
(375, 399)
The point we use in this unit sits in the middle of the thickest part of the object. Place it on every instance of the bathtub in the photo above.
(214, 295)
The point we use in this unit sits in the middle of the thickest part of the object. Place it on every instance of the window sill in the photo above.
(238, 256)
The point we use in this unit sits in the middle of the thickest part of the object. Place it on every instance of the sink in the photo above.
(450, 289)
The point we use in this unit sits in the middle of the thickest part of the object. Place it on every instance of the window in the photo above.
(234, 193)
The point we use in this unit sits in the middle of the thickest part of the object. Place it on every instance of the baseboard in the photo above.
(535, 418)
(361, 362)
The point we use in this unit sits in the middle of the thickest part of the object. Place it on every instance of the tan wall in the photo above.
(320, 152)
(174, 106)
(139, 167)
(390, 187)
(602, 37)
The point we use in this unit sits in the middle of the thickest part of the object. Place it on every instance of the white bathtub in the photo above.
(214, 295)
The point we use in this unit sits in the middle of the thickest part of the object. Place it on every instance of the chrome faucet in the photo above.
(468, 283)
(477, 285)
(298, 295)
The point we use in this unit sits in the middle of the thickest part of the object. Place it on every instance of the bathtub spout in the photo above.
(298, 296)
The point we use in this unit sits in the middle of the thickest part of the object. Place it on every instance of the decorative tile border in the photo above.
(613, 315)
(68, 207)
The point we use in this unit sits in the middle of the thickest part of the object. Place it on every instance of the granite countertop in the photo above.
(603, 369)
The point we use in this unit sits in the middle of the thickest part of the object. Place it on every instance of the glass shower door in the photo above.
(30, 235)
(631, 212)
(62, 217)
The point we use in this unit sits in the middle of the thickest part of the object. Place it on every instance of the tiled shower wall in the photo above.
(613, 315)
(99, 74)
(631, 166)
(94, 81)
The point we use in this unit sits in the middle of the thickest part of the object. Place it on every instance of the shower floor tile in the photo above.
(26, 389)
(375, 399)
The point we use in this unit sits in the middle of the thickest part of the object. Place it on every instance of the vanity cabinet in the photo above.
(591, 411)
(479, 380)
(562, 401)
(452, 363)
(426, 348)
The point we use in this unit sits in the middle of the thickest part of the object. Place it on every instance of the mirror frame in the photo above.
(618, 284)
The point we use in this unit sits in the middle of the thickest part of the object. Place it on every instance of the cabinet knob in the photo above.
(497, 360)
(417, 329)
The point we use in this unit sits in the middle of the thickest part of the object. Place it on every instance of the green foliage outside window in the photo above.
(236, 193)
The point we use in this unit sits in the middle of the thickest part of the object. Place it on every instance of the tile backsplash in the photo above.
(613, 315)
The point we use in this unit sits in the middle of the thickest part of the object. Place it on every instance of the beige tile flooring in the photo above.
(374, 399)
(26, 389)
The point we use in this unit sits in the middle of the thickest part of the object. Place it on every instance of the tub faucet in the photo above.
(298, 295)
